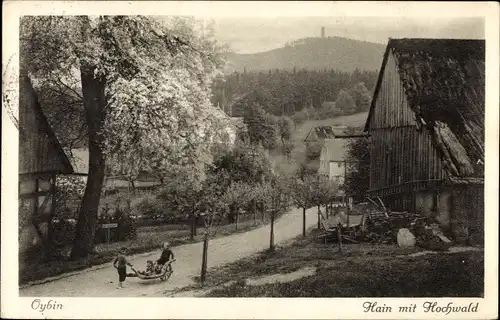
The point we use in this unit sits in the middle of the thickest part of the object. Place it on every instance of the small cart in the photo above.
(163, 275)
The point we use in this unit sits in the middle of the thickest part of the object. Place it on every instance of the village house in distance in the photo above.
(332, 156)
(426, 124)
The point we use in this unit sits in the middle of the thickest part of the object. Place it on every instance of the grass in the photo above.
(148, 239)
(362, 270)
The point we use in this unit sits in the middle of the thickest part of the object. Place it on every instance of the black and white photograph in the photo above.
(207, 155)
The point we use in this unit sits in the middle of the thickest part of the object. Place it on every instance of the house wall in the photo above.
(402, 155)
(35, 205)
(337, 171)
(324, 162)
(333, 170)
(425, 203)
(444, 208)
(467, 218)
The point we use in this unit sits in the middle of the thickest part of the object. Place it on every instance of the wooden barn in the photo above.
(426, 124)
(41, 158)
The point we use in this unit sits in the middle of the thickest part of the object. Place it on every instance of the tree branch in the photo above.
(69, 88)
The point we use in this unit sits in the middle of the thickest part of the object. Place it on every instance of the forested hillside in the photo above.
(312, 54)
(330, 93)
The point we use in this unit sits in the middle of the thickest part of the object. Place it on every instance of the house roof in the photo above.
(352, 133)
(325, 132)
(444, 81)
(39, 148)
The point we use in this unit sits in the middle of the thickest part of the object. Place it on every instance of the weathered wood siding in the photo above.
(401, 153)
(39, 150)
(392, 109)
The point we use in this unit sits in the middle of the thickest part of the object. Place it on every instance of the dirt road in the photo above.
(103, 281)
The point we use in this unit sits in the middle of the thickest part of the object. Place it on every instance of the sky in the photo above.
(250, 35)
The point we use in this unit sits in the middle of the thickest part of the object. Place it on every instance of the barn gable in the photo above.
(392, 108)
(436, 85)
(39, 149)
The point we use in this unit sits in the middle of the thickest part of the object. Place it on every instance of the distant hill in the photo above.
(313, 54)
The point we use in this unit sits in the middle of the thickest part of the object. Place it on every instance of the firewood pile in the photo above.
(380, 228)
(431, 237)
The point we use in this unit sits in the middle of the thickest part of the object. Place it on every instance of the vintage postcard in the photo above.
(192, 160)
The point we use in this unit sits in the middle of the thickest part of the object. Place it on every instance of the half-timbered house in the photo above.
(426, 124)
(41, 158)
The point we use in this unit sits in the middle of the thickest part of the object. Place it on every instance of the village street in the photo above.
(103, 281)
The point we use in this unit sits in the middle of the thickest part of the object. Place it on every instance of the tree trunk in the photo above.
(271, 238)
(193, 225)
(348, 210)
(237, 219)
(263, 212)
(204, 260)
(339, 236)
(319, 218)
(304, 222)
(254, 209)
(94, 102)
(132, 183)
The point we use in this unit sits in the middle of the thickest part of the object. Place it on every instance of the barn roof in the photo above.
(444, 81)
(39, 148)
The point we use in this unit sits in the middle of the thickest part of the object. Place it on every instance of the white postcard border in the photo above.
(12, 306)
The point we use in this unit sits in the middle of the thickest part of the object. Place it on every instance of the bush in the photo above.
(126, 230)
(61, 233)
(150, 207)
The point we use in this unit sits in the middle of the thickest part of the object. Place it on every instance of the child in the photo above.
(165, 256)
(150, 269)
(120, 264)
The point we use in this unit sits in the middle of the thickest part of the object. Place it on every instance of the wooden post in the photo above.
(339, 236)
(108, 235)
(204, 260)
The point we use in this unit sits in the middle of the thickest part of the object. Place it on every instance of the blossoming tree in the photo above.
(145, 86)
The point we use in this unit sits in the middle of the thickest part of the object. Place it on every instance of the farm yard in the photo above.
(361, 270)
